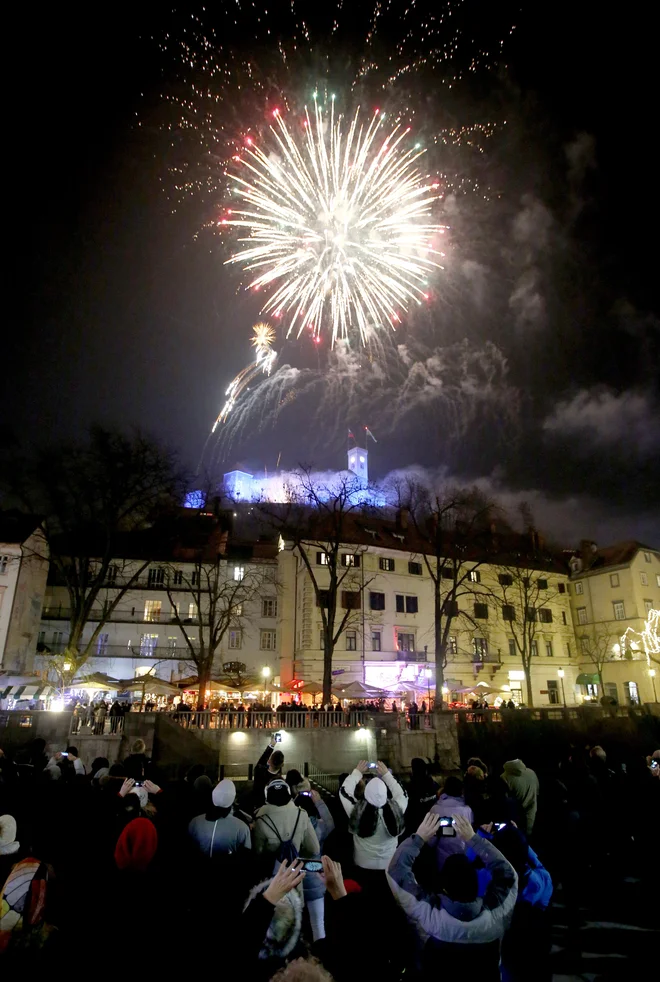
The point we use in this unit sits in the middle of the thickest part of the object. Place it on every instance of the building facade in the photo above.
(23, 574)
(613, 590)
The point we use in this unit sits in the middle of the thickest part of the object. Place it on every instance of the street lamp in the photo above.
(561, 673)
(652, 675)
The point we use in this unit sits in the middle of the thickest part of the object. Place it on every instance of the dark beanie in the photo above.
(459, 879)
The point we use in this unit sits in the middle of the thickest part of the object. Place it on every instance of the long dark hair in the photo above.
(364, 820)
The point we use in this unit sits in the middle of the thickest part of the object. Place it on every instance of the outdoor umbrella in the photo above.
(358, 690)
(97, 682)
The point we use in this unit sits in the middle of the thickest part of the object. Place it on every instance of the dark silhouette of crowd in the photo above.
(422, 877)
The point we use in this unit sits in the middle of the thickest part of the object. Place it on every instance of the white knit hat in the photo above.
(142, 794)
(224, 794)
(8, 843)
(375, 792)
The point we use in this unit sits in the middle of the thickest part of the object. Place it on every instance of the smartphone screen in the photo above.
(373, 765)
(312, 866)
(446, 820)
(64, 754)
(499, 825)
(278, 738)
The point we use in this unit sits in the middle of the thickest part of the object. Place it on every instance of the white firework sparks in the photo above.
(340, 224)
(263, 337)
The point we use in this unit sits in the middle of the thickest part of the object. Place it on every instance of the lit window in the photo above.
(269, 607)
(657, 579)
(452, 646)
(268, 640)
(405, 642)
(238, 610)
(152, 609)
(614, 579)
(348, 559)
(361, 460)
(643, 578)
(619, 609)
(386, 564)
(579, 587)
(351, 641)
(474, 576)
(480, 648)
(375, 641)
(192, 612)
(322, 559)
(239, 573)
(582, 615)
(148, 644)
(234, 640)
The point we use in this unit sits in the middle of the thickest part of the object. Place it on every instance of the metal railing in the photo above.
(546, 713)
(130, 615)
(234, 720)
(418, 721)
(107, 726)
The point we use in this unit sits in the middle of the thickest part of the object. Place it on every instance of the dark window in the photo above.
(194, 579)
(481, 612)
(351, 641)
(451, 608)
(386, 564)
(534, 648)
(400, 604)
(545, 615)
(448, 574)
(156, 577)
(563, 617)
(505, 579)
(415, 569)
(111, 575)
(542, 584)
(178, 577)
(530, 614)
(480, 647)
(351, 599)
(508, 612)
(375, 640)
(513, 650)
(377, 601)
(323, 598)
(561, 587)
(349, 559)
(411, 605)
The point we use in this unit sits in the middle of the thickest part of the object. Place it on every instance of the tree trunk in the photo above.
(528, 680)
(204, 677)
(439, 652)
(327, 671)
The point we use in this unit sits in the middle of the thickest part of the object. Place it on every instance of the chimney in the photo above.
(402, 518)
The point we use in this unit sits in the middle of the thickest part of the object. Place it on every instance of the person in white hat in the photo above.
(375, 822)
(219, 832)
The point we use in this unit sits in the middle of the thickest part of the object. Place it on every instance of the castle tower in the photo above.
(358, 463)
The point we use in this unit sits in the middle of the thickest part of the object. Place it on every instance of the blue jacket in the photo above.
(534, 887)
(484, 919)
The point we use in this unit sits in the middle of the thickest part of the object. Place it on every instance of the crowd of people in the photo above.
(279, 880)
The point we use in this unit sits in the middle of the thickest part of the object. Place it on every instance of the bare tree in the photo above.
(525, 603)
(90, 494)
(220, 590)
(596, 645)
(455, 529)
(317, 520)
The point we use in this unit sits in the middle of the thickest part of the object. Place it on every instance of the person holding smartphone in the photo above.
(375, 822)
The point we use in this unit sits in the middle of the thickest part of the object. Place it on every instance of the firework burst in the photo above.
(340, 224)
(263, 337)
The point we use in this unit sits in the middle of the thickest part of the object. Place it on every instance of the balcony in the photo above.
(181, 653)
(125, 615)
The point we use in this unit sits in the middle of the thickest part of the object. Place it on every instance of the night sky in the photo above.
(120, 313)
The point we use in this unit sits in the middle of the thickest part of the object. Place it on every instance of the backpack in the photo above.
(287, 851)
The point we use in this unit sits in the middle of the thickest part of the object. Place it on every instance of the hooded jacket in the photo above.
(375, 851)
(447, 845)
(524, 786)
(479, 922)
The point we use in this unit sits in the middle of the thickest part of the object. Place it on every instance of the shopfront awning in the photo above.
(17, 687)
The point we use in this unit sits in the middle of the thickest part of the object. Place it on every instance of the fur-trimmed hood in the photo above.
(284, 930)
